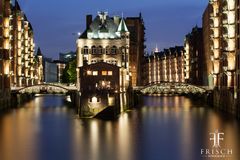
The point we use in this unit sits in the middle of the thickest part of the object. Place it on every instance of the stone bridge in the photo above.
(46, 88)
(170, 88)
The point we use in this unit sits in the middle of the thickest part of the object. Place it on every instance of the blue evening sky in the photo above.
(55, 21)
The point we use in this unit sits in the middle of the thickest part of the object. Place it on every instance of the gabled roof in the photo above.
(104, 27)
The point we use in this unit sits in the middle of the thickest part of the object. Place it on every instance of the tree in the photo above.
(70, 73)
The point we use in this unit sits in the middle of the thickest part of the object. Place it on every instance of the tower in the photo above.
(39, 68)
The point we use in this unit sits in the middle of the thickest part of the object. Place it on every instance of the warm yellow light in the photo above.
(231, 4)
(231, 62)
(94, 99)
(89, 73)
(95, 73)
(6, 44)
(231, 44)
(231, 17)
(104, 73)
(216, 22)
(216, 67)
(6, 32)
(110, 73)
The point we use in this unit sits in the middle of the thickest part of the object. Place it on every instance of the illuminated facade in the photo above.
(26, 68)
(194, 57)
(17, 60)
(106, 39)
(223, 42)
(5, 48)
(237, 84)
(165, 66)
(222, 17)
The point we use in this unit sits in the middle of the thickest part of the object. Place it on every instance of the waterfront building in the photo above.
(222, 19)
(164, 66)
(50, 71)
(23, 69)
(19, 66)
(208, 74)
(61, 65)
(106, 39)
(136, 28)
(194, 57)
(38, 68)
(223, 41)
(237, 78)
(5, 48)
(103, 48)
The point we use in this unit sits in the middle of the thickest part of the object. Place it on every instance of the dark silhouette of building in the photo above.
(194, 57)
(136, 28)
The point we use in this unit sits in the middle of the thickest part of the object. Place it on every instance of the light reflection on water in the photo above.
(173, 128)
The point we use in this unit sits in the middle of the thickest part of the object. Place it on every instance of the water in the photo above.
(167, 128)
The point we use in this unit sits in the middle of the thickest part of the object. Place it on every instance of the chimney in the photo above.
(116, 20)
(88, 21)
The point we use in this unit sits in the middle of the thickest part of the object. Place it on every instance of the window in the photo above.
(85, 50)
(100, 50)
(114, 50)
(89, 73)
(104, 73)
(95, 73)
(107, 50)
(110, 73)
(94, 50)
(94, 99)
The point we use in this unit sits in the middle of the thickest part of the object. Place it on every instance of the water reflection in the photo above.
(163, 128)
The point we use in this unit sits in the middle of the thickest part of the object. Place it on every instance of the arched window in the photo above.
(94, 50)
(100, 50)
(85, 50)
(114, 50)
(107, 50)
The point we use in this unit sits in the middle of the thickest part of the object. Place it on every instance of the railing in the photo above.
(172, 88)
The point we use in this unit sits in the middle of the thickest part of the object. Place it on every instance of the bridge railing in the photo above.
(171, 87)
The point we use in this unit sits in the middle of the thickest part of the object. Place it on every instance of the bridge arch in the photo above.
(171, 88)
(45, 88)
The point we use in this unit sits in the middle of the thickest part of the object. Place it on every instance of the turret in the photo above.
(122, 30)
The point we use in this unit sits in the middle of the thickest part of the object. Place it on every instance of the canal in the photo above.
(166, 128)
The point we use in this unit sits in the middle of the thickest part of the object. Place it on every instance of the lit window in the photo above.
(94, 100)
(95, 73)
(110, 73)
(104, 73)
(89, 73)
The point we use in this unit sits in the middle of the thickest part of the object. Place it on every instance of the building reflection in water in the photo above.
(46, 129)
